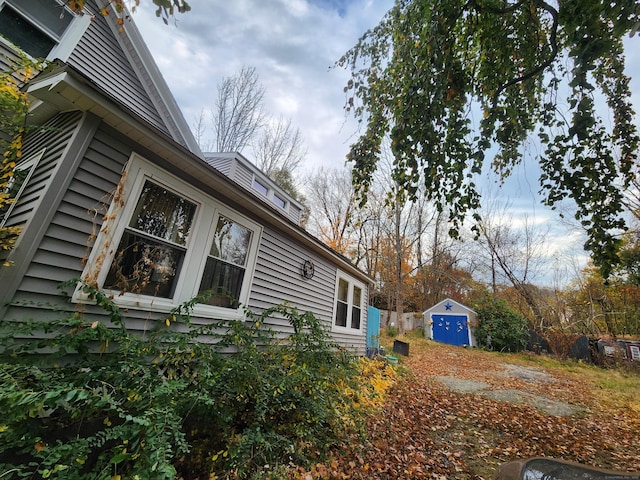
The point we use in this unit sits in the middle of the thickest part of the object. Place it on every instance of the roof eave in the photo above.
(65, 89)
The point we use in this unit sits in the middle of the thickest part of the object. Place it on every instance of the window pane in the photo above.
(163, 214)
(343, 290)
(25, 35)
(355, 317)
(144, 266)
(279, 201)
(231, 242)
(49, 13)
(260, 187)
(341, 314)
(356, 308)
(224, 281)
(357, 296)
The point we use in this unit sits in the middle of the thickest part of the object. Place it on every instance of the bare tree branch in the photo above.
(238, 113)
(280, 148)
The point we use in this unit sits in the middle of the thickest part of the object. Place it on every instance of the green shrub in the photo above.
(391, 330)
(114, 404)
(506, 329)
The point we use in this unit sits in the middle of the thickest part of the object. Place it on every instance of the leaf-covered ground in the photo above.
(429, 431)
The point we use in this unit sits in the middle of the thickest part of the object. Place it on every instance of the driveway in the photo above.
(459, 413)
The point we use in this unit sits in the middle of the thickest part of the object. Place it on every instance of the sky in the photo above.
(293, 45)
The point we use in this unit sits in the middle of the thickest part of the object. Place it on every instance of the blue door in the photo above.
(451, 329)
(373, 331)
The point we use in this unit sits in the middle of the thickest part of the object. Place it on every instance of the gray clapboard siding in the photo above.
(61, 246)
(74, 219)
(243, 176)
(223, 165)
(293, 213)
(33, 288)
(278, 278)
(35, 270)
(57, 232)
(55, 273)
(99, 56)
(278, 273)
(273, 280)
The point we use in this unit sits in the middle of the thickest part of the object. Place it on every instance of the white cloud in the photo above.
(292, 45)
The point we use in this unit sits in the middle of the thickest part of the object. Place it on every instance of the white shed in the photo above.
(450, 322)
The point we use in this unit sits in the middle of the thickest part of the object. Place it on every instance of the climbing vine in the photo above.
(14, 110)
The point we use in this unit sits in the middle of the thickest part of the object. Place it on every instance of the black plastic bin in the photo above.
(401, 347)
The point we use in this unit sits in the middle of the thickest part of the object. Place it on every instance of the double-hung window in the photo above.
(164, 242)
(151, 251)
(349, 305)
(226, 263)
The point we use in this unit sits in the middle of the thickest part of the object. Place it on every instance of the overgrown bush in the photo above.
(163, 405)
(499, 327)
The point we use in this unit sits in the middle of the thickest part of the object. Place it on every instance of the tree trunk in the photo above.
(399, 289)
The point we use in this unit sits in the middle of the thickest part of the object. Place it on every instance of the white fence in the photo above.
(411, 320)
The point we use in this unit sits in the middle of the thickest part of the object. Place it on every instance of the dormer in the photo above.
(251, 178)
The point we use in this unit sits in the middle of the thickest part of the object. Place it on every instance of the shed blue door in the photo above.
(373, 331)
(451, 329)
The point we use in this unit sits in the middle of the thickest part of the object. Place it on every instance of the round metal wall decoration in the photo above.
(308, 269)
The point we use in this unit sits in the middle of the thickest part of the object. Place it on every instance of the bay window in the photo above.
(165, 242)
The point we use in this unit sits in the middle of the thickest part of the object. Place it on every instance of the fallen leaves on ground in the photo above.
(426, 430)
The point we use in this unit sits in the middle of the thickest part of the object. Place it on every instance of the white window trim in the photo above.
(139, 170)
(30, 163)
(271, 192)
(67, 42)
(205, 310)
(70, 39)
(261, 183)
(352, 281)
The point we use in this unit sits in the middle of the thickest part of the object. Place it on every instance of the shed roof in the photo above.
(446, 305)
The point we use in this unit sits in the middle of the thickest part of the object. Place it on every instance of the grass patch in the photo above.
(613, 387)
